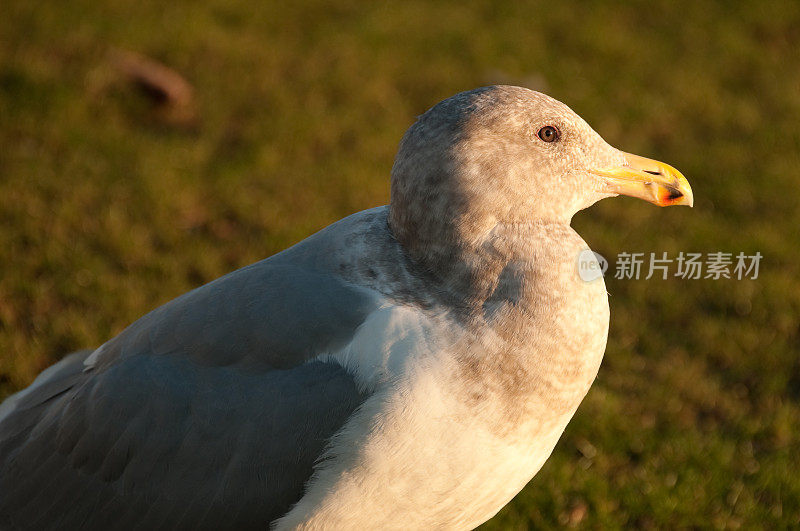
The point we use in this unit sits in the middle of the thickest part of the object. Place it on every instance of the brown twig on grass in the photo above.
(171, 95)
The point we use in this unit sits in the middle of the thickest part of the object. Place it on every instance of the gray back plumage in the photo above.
(208, 413)
(158, 442)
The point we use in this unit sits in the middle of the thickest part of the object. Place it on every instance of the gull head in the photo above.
(503, 155)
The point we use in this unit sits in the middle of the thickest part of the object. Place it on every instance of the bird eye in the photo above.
(548, 133)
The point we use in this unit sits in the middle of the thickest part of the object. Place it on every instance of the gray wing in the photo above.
(207, 413)
(158, 442)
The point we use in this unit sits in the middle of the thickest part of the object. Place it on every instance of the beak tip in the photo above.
(688, 197)
(674, 195)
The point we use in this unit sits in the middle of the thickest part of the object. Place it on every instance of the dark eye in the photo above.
(548, 133)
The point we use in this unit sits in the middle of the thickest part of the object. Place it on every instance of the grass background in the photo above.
(106, 211)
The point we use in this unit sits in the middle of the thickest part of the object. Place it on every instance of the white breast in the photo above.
(417, 455)
(442, 444)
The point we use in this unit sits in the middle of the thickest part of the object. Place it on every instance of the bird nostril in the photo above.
(651, 172)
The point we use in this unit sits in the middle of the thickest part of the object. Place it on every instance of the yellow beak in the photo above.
(648, 179)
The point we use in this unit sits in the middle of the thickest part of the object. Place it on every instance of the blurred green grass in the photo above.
(106, 212)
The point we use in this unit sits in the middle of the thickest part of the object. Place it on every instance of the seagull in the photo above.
(411, 366)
